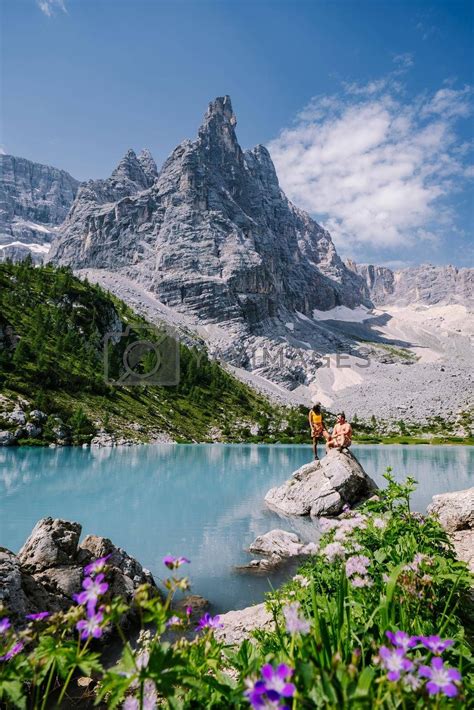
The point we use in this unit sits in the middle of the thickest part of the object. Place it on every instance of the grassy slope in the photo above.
(52, 355)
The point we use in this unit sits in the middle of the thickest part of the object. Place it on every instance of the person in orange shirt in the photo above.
(318, 429)
(341, 437)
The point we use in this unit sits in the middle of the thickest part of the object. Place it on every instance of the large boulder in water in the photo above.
(323, 487)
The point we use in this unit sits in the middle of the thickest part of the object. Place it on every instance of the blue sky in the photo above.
(366, 106)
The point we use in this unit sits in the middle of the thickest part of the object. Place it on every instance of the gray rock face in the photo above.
(425, 284)
(213, 236)
(239, 625)
(51, 543)
(455, 510)
(323, 487)
(281, 542)
(7, 438)
(34, 200)
(456, 514)
(48, 570)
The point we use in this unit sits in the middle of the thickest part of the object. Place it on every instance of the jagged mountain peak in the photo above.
(130, 168)
(148, 164)
(215, 236)
(217, 131)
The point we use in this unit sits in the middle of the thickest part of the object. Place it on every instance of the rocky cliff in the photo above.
(425, 284)
(212, 235)
(34, 200)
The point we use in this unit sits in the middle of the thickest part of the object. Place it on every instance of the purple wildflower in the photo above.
(150, 698)
(16, 648)
(277, 680)
(442, 679)
(357, 565)
(379, 523)
(295, 624)
(90, 627)
(93, 587)
(272, 687)
(189, 610)
(174, 621)
(435, 644)
(393, 659)
(209, 622)
(38, 617)
(96, 566)
(4, 624)
(333, 551)
(401, 639)
(175, 562)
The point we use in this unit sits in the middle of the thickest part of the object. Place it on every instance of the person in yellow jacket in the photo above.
(318, 429)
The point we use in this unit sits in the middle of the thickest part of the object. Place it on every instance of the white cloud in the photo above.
(375, 169)
(49, 7)
(2, 150)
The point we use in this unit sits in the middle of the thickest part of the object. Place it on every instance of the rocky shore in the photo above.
(48, 569)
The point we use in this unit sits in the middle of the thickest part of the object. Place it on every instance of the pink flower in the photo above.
(333, 551)
(357, 564)
(295, 624)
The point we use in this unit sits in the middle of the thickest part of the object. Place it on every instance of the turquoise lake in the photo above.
(202, 501)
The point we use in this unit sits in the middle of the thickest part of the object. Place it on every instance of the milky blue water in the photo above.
(203, 501)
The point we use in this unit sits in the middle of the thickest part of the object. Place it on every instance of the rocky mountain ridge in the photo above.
(213, 236)
(424, 284)
(34, 200)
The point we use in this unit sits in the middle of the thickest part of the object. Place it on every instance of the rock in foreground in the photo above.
(48, 570)
(323, 487)
(239, 625)
(455, 511)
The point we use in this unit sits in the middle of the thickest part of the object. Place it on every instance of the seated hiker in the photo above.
(341, 437)
(318, 429)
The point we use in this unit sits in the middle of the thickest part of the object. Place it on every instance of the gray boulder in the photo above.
(16, 417)
(281, 543)
(323, 487)
(32, 430)
(7, 438)
(51, 543)
(455, 512)
(49, 569)
(239, 625)
(37, 416)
